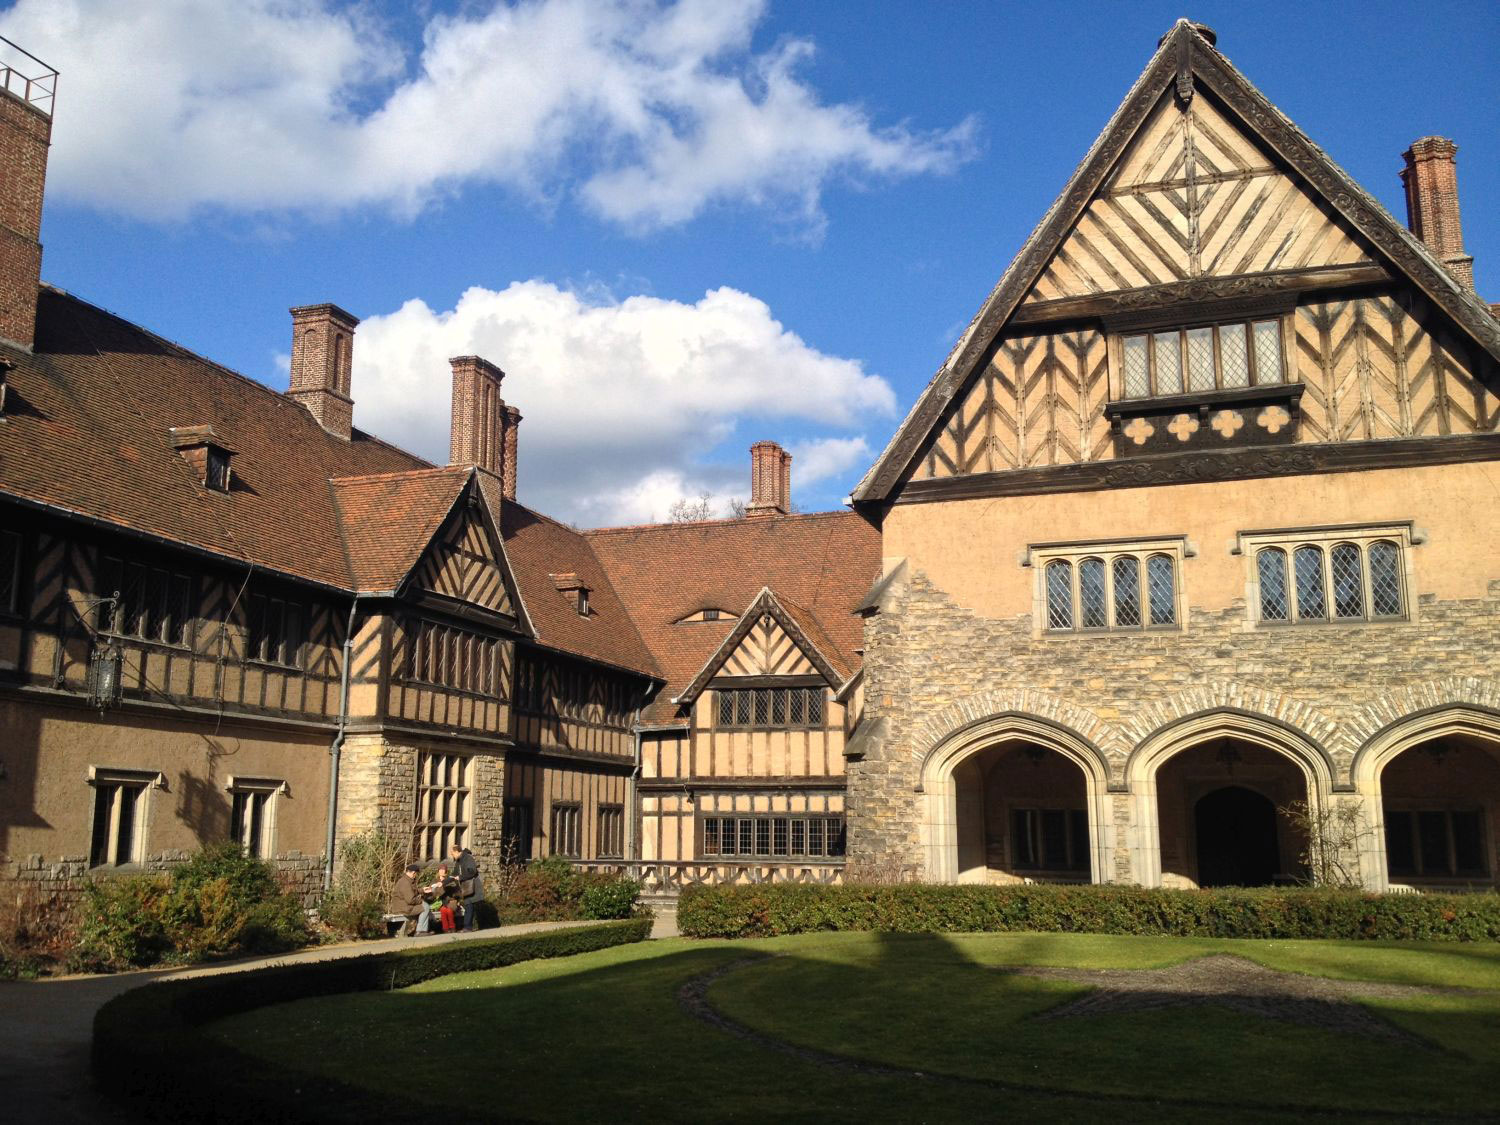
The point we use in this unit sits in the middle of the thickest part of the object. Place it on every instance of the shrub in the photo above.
(219, 902)
(368, 868)
(121, 924)
(36, 929)
(770, 909)
(612, 898)
(223, 901)
(552, 889)
(134, 1032)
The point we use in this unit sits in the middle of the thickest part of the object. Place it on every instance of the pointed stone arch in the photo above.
(938, 803)
(1459, 705)
(1104, 740)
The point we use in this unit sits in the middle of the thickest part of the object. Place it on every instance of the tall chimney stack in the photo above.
(512, 425)
(484, 429)
(322, 360)
(1431, 179)
(27, 88)
(770, 480)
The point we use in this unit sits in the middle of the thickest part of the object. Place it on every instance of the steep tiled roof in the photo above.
(822, 564)
(538, 548)
(389, 519)
(86, 431)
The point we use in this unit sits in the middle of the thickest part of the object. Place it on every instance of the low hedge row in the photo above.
(149, 1049)
(769, 909)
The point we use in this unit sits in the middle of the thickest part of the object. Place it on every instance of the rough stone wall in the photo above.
(487, 810)
(927, 659)
(66, 876)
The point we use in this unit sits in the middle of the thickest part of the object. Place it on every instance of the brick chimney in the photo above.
(484, 428)
(27, 87)
(1431, 179)
(322, 359)
(512, 423)
(770, 480)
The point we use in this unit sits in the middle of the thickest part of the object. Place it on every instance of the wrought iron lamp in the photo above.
(105, 682)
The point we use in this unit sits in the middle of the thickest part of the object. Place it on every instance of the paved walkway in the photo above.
(46, 1025)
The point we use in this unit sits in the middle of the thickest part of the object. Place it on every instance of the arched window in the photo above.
(1385, 579)
(1059, 595)
(1347, 569)
(1091, 596)
(1127, 579)
(1271, 570)
(1312, 598)
(1161, 587)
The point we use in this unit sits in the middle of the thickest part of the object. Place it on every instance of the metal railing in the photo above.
(663, 878)
(24, 76)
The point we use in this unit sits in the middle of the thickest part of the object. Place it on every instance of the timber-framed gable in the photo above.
(1303, 315)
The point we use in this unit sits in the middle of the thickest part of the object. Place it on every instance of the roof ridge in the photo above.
(727, 520)
(434, 470)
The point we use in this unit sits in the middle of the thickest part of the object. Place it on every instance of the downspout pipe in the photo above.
(335, 751)
(633, 844)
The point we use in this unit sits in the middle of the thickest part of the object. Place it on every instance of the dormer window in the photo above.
(708, 613)
(201, 448)
(216, 469)
(573, 588)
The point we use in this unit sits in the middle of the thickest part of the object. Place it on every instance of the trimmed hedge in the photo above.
(149, 1048)
(766, 910)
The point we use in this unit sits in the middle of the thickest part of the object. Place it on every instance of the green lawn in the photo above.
(602, 1035)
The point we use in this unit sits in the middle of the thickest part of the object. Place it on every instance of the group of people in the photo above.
(452, 897)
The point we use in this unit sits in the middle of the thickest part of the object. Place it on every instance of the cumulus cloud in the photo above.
(623, 401)
(647, 113)
(829, 457)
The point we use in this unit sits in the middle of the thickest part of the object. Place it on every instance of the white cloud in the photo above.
(828, 457)
(621, 400)
(648, 113)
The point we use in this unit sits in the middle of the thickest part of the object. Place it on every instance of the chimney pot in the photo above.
(1431, 181)
(322, 365)
(770, 480)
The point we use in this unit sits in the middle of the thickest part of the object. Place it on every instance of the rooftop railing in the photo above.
(24, 76)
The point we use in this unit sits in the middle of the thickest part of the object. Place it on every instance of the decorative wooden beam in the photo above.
(1198, 467)
(1200, 290)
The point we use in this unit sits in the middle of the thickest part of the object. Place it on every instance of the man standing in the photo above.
(470, 885)
(406, 899)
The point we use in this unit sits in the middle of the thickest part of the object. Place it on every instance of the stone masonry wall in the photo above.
(66, 876)
(926, 657)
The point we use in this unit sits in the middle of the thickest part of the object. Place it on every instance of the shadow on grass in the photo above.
(606, 1036)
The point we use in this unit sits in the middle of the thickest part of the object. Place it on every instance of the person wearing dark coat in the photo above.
(406, 899)
(470, 883)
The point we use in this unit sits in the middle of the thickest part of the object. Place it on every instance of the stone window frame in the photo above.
(444, 803)
(1037, 556)
(246, 793)
(1403, 534)
(110, 784)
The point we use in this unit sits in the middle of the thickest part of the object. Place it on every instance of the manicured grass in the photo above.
(602, 1035)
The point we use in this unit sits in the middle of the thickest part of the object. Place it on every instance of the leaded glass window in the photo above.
(1205, 358)
(1330, 579)
(1106, 591)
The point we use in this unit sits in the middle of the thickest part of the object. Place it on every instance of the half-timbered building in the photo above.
(1187, 529)
(1190, 528)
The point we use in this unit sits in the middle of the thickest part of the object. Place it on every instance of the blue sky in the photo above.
(678, 229)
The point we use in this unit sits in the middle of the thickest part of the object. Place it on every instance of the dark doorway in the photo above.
(1236, 839)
